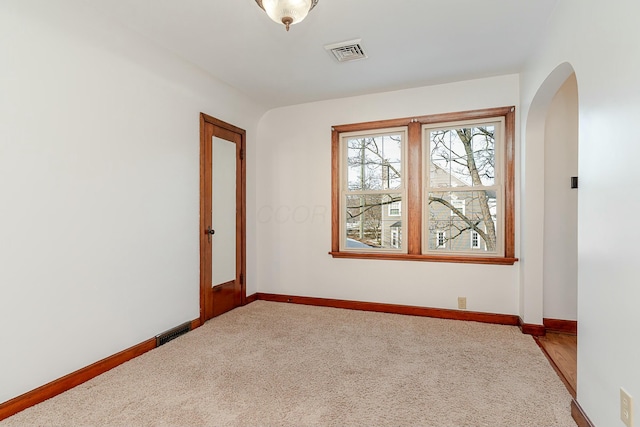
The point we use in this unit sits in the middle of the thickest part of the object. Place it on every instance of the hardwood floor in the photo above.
(562, 350)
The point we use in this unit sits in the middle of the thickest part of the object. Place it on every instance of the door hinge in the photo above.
(241, 279)
(242, 154)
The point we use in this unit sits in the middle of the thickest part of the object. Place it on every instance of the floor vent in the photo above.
(167, 336)
(347, 51)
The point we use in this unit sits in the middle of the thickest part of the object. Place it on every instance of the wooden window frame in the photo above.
(414, 186)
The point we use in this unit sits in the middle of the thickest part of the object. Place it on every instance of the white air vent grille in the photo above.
(347, 51)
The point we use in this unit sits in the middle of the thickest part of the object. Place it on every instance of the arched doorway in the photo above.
(560, 274)
(550, 211)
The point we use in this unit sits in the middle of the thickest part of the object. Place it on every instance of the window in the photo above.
(457, 205)
(394, 209)
(372, 189)
(395, 237)
(445, 182)
(475, 240)
(463, 187)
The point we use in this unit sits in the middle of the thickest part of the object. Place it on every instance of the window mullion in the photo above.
(414, 188)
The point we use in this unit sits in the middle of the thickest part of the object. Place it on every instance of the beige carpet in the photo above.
(273, 364)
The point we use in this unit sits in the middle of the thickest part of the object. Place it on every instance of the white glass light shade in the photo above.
(287, 12)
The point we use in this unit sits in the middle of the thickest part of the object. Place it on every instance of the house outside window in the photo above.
(445, 182)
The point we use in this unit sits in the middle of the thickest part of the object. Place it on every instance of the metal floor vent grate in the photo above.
(172, 333)
(347, 51)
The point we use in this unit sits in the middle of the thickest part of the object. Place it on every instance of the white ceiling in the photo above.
(410, 43)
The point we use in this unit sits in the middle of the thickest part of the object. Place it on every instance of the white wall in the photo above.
(294, 207)
(99, 198)
(601, 44)
(561, 204)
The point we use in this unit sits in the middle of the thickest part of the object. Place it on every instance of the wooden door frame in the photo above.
(206, 207)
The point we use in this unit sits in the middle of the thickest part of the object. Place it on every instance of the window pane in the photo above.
(368, 223)
(453, 217)
(462, 156)
(374, 163)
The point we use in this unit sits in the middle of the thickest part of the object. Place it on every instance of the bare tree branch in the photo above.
(366, 207)
(473, 225)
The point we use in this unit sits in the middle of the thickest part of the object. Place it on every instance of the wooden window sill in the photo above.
(428, 258)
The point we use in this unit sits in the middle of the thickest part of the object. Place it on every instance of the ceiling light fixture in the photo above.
(287, 12)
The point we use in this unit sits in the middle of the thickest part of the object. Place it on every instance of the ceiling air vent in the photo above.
(347, 51)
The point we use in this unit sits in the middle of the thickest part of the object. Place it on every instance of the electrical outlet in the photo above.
(626, 408)
(462, 303)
